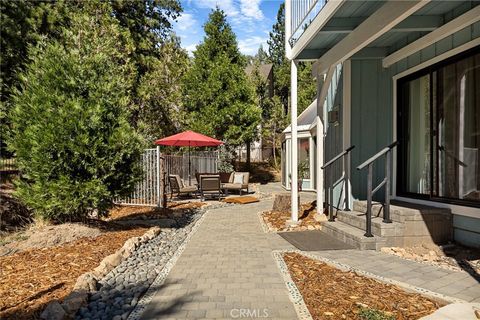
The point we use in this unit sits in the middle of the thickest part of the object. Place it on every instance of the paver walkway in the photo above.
(226, 268)
(455, 284)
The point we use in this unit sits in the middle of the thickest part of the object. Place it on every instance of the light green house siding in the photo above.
(372, 115)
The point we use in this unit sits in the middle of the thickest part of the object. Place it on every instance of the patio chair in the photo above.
(176, 186)
(238, 181)
(210, 185)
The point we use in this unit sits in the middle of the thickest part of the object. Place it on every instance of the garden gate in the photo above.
(148, 191)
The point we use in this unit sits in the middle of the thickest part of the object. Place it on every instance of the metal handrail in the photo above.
(452, 156)
(329, 199)
(344, 152)
(387, 151)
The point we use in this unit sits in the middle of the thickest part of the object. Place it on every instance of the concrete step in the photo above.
(401, 211)
(352, 236)
(379, 228)
(422, 224)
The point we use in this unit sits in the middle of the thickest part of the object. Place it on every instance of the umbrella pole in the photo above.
(189, 165)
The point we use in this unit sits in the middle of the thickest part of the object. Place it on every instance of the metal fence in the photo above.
(178, 164)
(148, 191)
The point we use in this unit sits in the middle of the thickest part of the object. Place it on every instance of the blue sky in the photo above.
(251, 21)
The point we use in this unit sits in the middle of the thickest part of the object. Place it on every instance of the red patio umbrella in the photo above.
(189, 139)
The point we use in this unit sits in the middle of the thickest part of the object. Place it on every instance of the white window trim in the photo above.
(456, 209)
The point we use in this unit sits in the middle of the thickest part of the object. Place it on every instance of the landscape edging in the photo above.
(344, 267)
(88, 282)
(162, 276)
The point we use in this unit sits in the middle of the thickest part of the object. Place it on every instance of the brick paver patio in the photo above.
(228, 268)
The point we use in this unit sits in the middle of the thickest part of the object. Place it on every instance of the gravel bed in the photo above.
(121, 289)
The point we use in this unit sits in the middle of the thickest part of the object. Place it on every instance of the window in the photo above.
(439, 132)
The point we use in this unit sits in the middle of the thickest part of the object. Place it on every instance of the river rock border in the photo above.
(278, 254)
(88, 282)
(293, 292)
(161, 277)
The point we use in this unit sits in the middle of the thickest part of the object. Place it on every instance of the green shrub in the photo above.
(74, 145)
(373, 314)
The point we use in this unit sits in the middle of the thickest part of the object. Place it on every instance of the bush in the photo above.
(74, 145)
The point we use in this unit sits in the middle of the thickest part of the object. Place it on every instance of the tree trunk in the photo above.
(283, 202)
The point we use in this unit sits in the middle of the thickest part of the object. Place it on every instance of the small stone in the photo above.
(74, 301)
(328, 314)
(363, 305)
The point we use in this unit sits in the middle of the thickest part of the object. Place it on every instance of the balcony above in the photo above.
(329, 30)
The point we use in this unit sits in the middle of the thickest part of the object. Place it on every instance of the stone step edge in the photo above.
(353, 236)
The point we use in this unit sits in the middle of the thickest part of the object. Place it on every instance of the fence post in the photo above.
(159, 199)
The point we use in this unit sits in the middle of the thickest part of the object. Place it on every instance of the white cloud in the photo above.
(190, 48)
(186, 22)
(226, 5)
(250, 45)
(251, 9)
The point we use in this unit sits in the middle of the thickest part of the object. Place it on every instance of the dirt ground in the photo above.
(453, 256)
(330, 293)
(276, 220)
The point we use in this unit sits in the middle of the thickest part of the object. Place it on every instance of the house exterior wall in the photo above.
(373, 127)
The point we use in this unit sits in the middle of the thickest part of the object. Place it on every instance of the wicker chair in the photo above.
(177, 187)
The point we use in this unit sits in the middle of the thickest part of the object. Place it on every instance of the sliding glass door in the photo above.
(439, 132)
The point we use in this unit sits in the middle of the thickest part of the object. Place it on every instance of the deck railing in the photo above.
(302, 14)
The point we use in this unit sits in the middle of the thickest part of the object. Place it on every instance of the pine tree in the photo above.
(217, 93)
(159, 92)
(74, 145)
(281, 67)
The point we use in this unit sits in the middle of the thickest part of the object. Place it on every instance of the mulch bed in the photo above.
(135, 212)
(330, 293)
(30, 279)
(276, 220)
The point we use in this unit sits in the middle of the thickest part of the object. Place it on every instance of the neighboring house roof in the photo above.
(264, 70)
(306, 118)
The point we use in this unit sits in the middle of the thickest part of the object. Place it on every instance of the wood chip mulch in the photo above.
(276, 220)
(330, 293)
(135, 212)
(32, 278)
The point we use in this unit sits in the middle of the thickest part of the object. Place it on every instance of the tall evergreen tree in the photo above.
(159, 92)
(74, 145)
(281, 67)
(218, 95)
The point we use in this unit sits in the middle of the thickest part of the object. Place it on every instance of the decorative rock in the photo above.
(113, 260)
(74, 301)
(53, 311)
(86, 282)
(143, 259)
